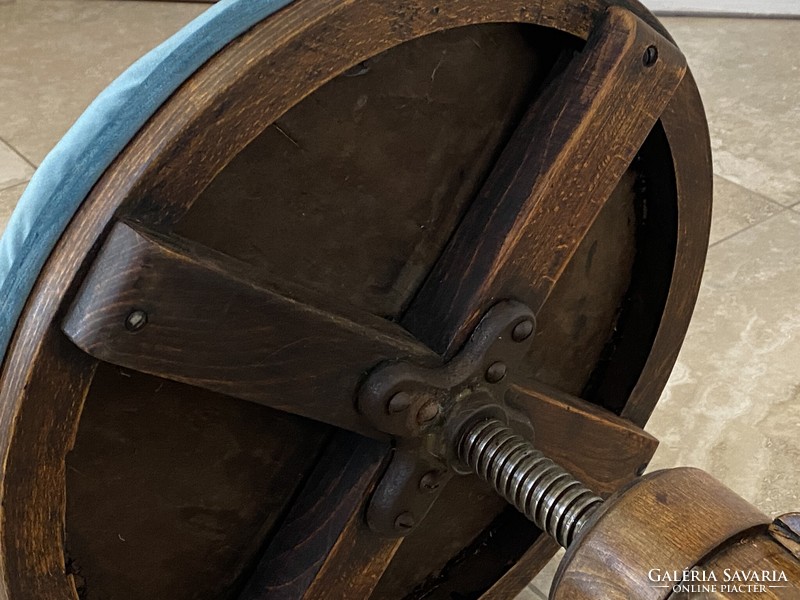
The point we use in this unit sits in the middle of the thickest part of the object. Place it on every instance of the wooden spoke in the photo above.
(341, 558)
(608, 452)
(552, 179)
(183, 313)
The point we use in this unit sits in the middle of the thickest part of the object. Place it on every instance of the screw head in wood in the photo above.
(405, 521)
(496, 372)
(431, 481)
(399, 402)
(522, 331)
(650, 56)
(429, 412)
(136, 320)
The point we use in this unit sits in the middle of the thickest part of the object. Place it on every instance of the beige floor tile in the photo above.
(57, 55)
(751, 87)
(737, 208)
(531, 593)
(13, 168)
(732, 406)
(8, 200)
(542, 582)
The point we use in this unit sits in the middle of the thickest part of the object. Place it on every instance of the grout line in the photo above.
(18, 153)
(537, 592)
(754, 192)
(784, 210)
(11, 187)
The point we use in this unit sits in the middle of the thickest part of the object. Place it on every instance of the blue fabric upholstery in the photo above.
(72, 168)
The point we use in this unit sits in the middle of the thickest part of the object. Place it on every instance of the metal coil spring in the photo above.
(540, 489)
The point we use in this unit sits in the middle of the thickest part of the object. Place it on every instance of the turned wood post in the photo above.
(681, 534)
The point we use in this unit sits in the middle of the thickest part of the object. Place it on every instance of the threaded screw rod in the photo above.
(539, 488)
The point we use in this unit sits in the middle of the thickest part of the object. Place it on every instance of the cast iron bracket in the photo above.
(424, 409)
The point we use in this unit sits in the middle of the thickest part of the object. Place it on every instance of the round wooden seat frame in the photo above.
(317, 544)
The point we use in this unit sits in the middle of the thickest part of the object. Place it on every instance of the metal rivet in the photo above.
(496, 372)
(522, 331)
(650, 56)
(399, 402)
(136, 320)
(405, 521)
(430, 482)
(428, 412)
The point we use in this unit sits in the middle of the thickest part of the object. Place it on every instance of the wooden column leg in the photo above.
(666, 523)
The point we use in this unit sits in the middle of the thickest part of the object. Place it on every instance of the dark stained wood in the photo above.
(668, 520)
(182, 483)
(551, 182)
(370, 223)
(509, 535)
(190, 123)
(608, 451)
(582, 313)
(33, 476)
(228, 103)
(685, 127)
(324, 548)
(639, 314)
(234, 97)
(611, 452)
(266, 184)
(209, 325)
(448, 554)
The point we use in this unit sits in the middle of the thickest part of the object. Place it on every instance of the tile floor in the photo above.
(733, 403)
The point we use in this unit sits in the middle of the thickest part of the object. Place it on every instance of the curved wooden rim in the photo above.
(336, 35)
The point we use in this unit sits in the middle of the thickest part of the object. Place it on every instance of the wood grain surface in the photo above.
(324, 548)
(668, 520)
(186, 484)
(786, 531)
(684, 123)
(209, 325)
(609, 451)
(749, 557)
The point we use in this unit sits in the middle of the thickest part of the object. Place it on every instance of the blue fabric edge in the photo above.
(68, 173)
